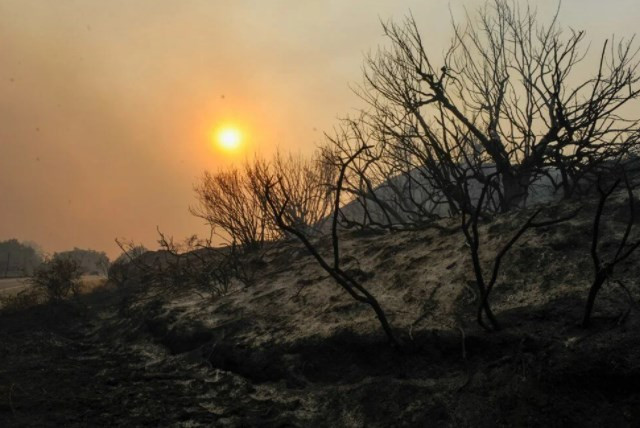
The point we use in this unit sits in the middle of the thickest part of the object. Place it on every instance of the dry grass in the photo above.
(18, 294)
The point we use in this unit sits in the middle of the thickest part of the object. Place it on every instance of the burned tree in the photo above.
(506, 97)
(227, 200)
(604, 267)
(387, 192)
(278, 203)
(305, 182)
(483, 282)
(233, 200)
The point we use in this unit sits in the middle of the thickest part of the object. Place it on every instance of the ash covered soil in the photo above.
(295, 350)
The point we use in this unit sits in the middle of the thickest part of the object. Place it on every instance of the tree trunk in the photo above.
(384, 322)
(593, 292)
(514, 191)
(484, 306)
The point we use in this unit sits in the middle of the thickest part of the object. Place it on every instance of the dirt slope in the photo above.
(295, 350)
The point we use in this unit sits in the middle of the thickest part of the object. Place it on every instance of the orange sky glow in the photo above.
(108, 108)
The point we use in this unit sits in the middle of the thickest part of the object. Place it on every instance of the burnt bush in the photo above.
(121, 269)
(58, 278)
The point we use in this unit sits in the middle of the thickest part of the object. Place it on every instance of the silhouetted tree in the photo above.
(307, 184)
(506, 97)
(233, 200)
(227, 200)
(604, 267)
(278, 202)
(485, 283)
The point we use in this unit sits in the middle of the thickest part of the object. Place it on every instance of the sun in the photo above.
(229, 138)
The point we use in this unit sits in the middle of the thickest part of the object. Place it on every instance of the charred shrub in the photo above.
(58, 278)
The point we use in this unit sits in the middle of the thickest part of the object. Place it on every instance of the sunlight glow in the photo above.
(229, 138)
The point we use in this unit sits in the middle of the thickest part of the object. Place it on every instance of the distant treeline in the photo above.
(18, 259)
(90, 261)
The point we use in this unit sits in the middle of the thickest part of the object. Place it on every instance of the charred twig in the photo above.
(632, 302)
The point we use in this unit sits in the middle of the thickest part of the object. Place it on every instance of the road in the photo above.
(12, 285)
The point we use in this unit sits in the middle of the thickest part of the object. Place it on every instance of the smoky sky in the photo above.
(106, 107)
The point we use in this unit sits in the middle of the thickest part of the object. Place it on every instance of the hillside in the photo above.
(293, 349)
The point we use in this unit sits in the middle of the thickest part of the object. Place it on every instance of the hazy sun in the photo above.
(229, 138)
